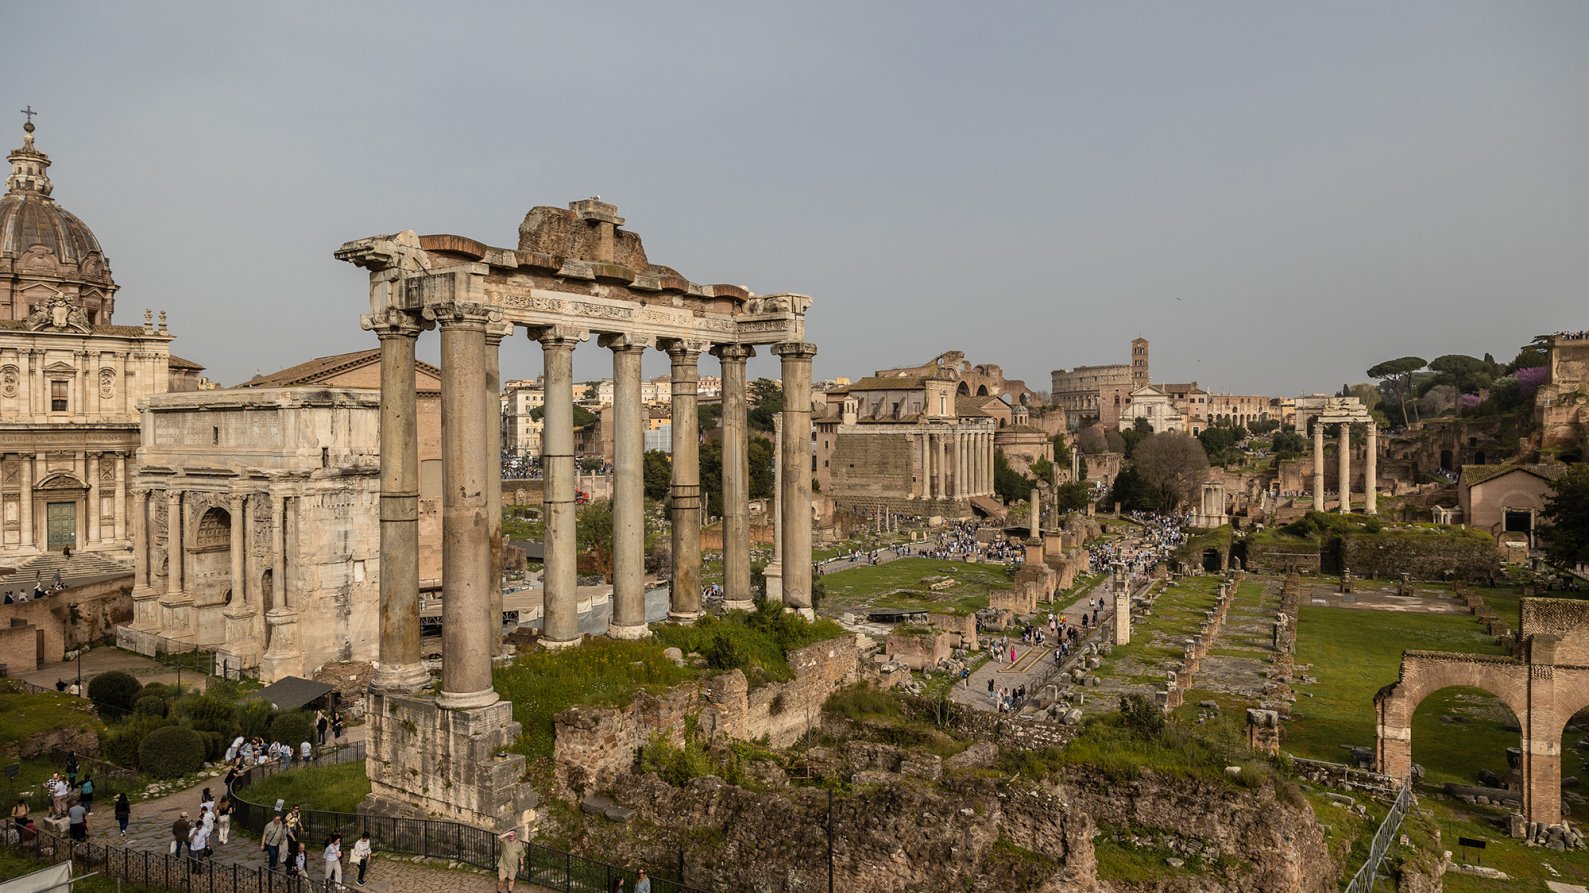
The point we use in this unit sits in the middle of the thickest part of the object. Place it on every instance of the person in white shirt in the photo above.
(306, 750)
(333, 857)
(361, 855)
(199, 839)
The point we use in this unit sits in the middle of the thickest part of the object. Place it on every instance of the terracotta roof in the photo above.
(976, 405)
(1473, 475)
(317, 370)
(176, 362)
(22, 325)
(900, 383)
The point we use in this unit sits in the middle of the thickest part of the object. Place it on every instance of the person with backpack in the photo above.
(85, 794)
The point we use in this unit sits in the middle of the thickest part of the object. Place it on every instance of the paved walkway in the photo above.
(1034, 665)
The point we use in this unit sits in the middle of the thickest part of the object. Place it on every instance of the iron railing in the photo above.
(1368, 875)
(435, 839)
(141, 870)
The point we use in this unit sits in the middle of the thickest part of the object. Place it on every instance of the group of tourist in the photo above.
(282, 843)
(40, 591)
(1006, 699)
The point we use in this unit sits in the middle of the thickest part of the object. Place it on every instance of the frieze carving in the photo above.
(107, 468)
(13, 473)
(261, 511)
(158, 518)
(10, 380)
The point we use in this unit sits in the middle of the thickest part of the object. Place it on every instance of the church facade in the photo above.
(70, 380)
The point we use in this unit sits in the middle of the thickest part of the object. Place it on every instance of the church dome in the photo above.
(45, 250)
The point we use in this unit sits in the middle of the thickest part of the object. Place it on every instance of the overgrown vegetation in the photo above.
(757, 643)
(335, 788)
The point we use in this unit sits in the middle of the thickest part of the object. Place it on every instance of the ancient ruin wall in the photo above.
(604, 741)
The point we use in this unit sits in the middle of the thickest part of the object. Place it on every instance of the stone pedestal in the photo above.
(426, 760)
(282, 658)
(145, 611)
(1122, 618)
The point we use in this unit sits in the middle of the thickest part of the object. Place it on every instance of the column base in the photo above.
(807, 613)
(774, 576)
(430, 762)
(546, 644)
(685, 617)
(467, 700)
(630, 631)
(740, 604)
(400, 677)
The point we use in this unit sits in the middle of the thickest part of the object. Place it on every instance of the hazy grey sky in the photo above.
(1276, 194)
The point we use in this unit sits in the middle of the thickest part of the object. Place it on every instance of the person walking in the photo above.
(85, 793)
(123, 812)
(642, 883)
(320, 724)
(510, 858)
(275, 834)
(223, 820)
(362, 852)
(77, 822)
(333, 859)
(199, 841)
(179, 834)
(71, 770)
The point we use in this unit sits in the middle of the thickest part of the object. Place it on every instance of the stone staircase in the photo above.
(81, 566)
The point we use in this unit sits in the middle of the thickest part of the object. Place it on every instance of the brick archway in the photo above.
(1544, 688)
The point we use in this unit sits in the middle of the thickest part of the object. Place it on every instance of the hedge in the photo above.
(171, 752)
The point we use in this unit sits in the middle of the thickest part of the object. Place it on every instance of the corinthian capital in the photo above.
(463, 313)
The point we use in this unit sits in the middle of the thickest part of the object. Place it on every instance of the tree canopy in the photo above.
(1172, 466)
(766, 401)
(1566, 531)
(1010, 485)
(1396, 376)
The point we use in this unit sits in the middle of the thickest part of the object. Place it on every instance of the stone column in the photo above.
(27, 461)
(686, 493)
(962, 477)
(1344, 458)
(91, 502)
(796, 463)
(940, 464)
(140, 538)
(559, 582)
(736, 479)
(628, 492)
(1318, 464)
(493, 447)
(120, 528)
(173, 543)
(1371, 471)
(467, 637)
(399, 665)
(238, 551)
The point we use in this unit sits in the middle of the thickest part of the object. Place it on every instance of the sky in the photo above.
(1277, 195)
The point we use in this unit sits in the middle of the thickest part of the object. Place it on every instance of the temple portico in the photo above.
(576, 276)
(1344, 412)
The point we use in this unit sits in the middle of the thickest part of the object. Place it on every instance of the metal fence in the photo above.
(1368, 875)
(138, 870)
(186, 655)
(435, 839)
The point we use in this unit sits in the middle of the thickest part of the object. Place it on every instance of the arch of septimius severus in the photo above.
(576, 276)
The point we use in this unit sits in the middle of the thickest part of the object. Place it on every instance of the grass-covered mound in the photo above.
(906, 583)
(757, 643)
(335, 788)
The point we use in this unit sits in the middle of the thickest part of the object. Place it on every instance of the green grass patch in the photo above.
(757, 643)
(601, 673)
(1353, 653)
(17, 863)
(23, 716)
(904, 584)
(1140, 740)
(1525, 865)
(335, 788)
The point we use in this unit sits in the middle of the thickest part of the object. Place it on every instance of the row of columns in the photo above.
(1344, 467)
(955, 464)
(471, 581)
(88, 467)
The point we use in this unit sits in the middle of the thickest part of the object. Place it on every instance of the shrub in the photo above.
(1142, 716)
(253, 718)
(208, 713)
(120, 745)
(292, 728)
(171, 752)
(159, 690)
(115, 689)
(149, 705)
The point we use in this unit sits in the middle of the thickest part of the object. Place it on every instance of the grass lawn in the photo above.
(15, 864)
(899, 584)
(1353, 653)
(335, 788)
(1525, 865)
(1156, 639)
(25, 715)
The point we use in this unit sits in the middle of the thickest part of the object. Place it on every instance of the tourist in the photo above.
(295, 851)
(71, 770)
(231, 776)
(333, 859)
(123, 812)
(57, 788)
(206, 800)
(19, 812)
(510, 859)
(199, 840)
(617, 885)
(298, 864)
(223, 820)
(77, 822)
(642, 882)
(294, 821)
(320, 726)
(179, 834)
(337, 726)
(306, 751)
(361, 855)
(275, 833)
(85, 793)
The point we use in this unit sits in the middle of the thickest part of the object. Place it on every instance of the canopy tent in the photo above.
(55, 879)
(291, 693)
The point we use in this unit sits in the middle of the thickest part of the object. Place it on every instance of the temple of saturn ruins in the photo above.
(1344, 412)
(576, 275)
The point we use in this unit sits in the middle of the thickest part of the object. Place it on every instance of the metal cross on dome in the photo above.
(29, 112)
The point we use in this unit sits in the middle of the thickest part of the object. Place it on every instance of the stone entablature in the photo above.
(1562, 404)
(254, 514)
(1543, 688)
(1344, 412)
